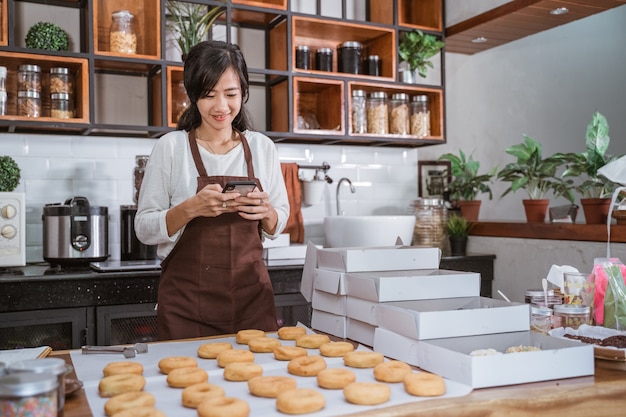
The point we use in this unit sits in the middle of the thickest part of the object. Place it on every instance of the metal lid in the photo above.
(358, 93)
(28, 94)
(540, 311)
(59, 70)
(351, 44)
(122, 14)
(400, 96)
(27, 384)
(378, 94)
(29, 68)
(325, 51)
(54, 366)
(571, 309)
(428, 202)
(421, 98)
(59, 96)
(537, 293)
(373, 58)
(302, 48)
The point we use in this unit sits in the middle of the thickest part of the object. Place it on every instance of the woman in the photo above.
(213, 278)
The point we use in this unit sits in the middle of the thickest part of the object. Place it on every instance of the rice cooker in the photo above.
(75, 233)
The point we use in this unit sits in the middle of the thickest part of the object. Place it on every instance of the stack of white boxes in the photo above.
(396, 300)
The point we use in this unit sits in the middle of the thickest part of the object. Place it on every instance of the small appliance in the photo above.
(12, 229)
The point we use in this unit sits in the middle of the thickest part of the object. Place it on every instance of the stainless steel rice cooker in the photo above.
(75, 233)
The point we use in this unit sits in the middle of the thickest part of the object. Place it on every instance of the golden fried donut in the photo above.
(234, 355)
(210, 350)
(242, 371)
(367, 393)
(287, 353)
(300, 401)
(183, 377)
(124, 367)
(424, 384)
(113, 385)
(195, 394)
(270, 386)
(139, 412)
(306, 365)
(167, 364)
(336, 349)
(223, 407)
(312, 341)
(291, 332)
(392, 371)
(244, 336)
(128, 400)
(363, 359)
(263, 344)
(335, 378)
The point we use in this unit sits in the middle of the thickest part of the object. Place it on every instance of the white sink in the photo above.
(351, 231)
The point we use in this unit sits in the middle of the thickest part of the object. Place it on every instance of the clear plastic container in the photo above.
(29, 394)
(54, 366)
(3, 78)
(420, 116)
(61, 106)
(29, 78)
(540, 319)
(61, 81)
(359, 113)
(377, 113)
(537, 297)
(572, 315)
(28, 103)
(430, 222)
(3, 91)
(122, 37)
(399, 114)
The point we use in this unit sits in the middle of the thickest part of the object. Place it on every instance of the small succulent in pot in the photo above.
(10, 174)
(47, 36)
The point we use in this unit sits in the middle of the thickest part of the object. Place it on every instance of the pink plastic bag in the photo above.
(601, 283)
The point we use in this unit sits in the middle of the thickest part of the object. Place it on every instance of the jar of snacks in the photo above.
(28, 103)
(420, 116)
(359, 114)
(122, 37)
(29, 394)
(60, 106)
(377, 113)
(54, 366)
(29, 78)
(540, 319)
(399, 114)
(572, 315)
(61, 80)
(537, 297)
(430, 222)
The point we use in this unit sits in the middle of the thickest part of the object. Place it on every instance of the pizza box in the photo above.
(362, 310)
(415, 284)
(382, 258)
(557, 359)
(452, 317)
(332, 282)
(360, 331)
(332, 324)
(329, 303)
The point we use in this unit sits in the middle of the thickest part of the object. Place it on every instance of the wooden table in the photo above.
(594, 396)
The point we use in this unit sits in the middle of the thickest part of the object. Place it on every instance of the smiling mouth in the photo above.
(220, 117)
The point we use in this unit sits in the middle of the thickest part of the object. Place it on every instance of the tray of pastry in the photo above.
(609, 344)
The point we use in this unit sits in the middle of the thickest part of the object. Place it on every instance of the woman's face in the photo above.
(223, 104)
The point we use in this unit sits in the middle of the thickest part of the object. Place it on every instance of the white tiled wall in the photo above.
(55, 168)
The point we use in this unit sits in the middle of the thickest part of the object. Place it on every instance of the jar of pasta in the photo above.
(28, 103)
(359, 115)
(399, 114)
(122, 37)
(60, 106)
(430, 222)
(420, 116)
(29, 78)
(377, 113)
(60, 80)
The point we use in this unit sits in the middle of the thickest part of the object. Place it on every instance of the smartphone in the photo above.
(242, 187)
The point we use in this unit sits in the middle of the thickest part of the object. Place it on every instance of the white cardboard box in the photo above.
(360, 331)
(329, 303)
(294, 251)
(281, 240)
(557, 359)
(310, 263)
(332, 282)
(329, 323)
(396, 346)
(362, 310)
(384, 258)
(416, 284)
(453, 317)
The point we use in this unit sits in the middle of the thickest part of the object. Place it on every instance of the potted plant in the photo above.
(466, 183)
(189, 23)
(537, 176)
(416, 48)
(47, 36)
(10, 174)
(595, 189)
(458, 228)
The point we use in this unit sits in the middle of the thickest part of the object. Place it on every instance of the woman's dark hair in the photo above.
(204, 65)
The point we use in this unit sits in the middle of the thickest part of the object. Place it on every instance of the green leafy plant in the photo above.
(189, 23)
(589, 162)
(466, 183)
(458, 226)
(416, 49)
(533, 173)
(10, 174)
(47, 36)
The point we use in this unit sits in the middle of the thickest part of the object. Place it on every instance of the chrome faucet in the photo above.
(352, 190)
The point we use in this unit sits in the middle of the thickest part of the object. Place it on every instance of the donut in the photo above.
(424, 384)
(312, 341)
(210, 350)
(291, 332)
(234, 355)
(363, 359)
(195, 394)
(113, 385)
(167, 364)
(367, 393)
(287, 353)
(300, 401)
(183, 377)
(244, 336)
(335, 378)
(139, 412)
(270, 386)
(306, 365)
(242, 371)
(128, 400)
(336, 349)
(392, 371)
(124, 367)
(223, 407)
(263, 344)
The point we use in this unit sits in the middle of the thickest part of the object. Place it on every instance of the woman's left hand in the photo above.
(256, 206)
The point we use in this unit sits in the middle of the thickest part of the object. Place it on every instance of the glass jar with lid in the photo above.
(430, 222)
(3, 91)
(29, 394)
(572, 315)
(29, 78)
(420, 116)
(373, 65)
(61, 80)
(140, 167)
(122, 37)
(377, 113)
(540, 319)
(28, 103)
(61, 106)
(349, 57)
(537, 297)
(359, 115)
(324, 59)
(399, 114)
(303, 57)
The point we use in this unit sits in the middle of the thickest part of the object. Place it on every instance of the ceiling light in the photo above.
(559, 11)
(480, 39)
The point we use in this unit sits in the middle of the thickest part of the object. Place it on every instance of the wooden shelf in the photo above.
(4, 23)
(553, 231)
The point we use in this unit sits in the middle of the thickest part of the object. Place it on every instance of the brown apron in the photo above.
(214, 280)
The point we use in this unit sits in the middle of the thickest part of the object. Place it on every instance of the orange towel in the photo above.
(295, 223)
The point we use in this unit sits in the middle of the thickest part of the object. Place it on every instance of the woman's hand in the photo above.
(256, 206)
(212, 202)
